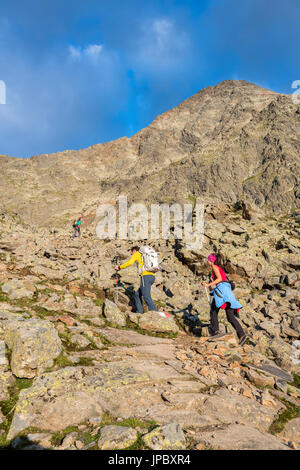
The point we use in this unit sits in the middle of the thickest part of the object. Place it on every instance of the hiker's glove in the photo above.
(117, 268)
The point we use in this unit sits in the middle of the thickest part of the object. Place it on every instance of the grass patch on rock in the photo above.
(57, 437)
(291, 412)
(71, 347)
(296, 381)
(99, 302)
(138, 445)
(42, 312)
(4, 297)
(109, 420)
(85, 361)
(60, 362)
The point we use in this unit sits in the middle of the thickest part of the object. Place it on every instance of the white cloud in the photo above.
(162, 44)
(75, 52)
(163, 32)
(92, 51)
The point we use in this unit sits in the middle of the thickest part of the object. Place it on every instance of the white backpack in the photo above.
(150, 260)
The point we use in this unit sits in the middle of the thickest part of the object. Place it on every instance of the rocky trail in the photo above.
(78, 368)
(79, 371)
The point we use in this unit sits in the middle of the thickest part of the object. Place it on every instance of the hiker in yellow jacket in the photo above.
(147, 279)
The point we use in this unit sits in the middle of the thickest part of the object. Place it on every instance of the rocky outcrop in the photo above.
(18, 289)
(153, 321)
(168, 437)
(117, 437)
(34, 344)
(113, 314)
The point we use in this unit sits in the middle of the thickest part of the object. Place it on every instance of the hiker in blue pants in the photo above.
(147, 279)
(144, 291)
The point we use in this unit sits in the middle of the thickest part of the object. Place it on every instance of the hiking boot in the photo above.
(212, 332)
(242, 340)
(217, 335)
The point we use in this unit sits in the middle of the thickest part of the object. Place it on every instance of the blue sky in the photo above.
(81, 72)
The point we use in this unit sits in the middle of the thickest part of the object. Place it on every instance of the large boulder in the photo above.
(34, 344)
(113, 314)
(117, 437)
(153, 321)
(87, 390)
(57, 412)
(69, 396)
(18, 289)
(167, 437)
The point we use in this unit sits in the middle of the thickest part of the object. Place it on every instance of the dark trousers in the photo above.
(230, 314)
(144, 291)
(76, 231)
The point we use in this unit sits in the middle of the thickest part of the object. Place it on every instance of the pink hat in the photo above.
(212, 258)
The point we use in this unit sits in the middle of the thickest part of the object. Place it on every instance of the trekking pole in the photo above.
(207, 295)
(115, 262)
(117, 286)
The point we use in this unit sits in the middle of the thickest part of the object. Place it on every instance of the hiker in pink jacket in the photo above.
(223, 298)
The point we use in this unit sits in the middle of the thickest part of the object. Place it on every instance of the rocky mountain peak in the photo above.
(232, 141)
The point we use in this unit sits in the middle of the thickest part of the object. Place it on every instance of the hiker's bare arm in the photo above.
(217, 280)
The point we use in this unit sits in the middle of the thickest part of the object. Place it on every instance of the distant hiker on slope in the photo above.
(147, 277)
(223, 298)
(76, 226)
